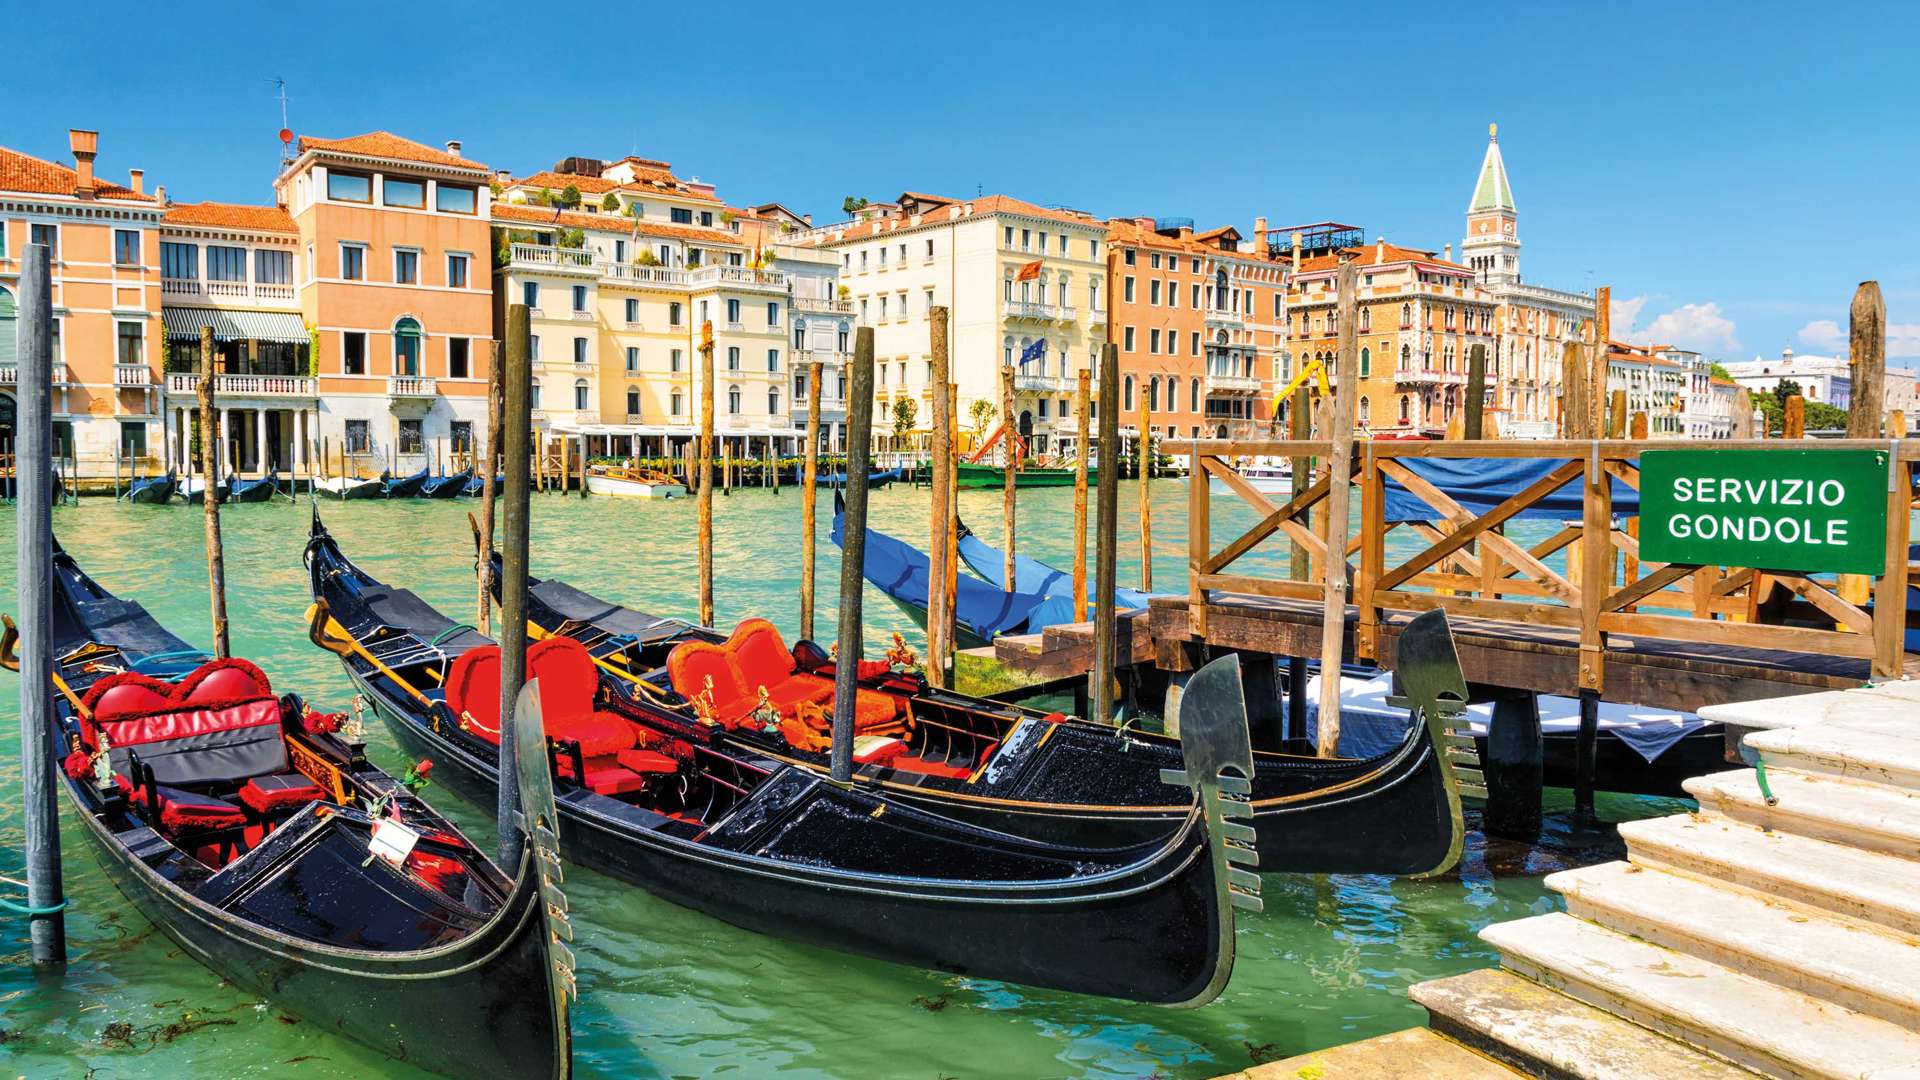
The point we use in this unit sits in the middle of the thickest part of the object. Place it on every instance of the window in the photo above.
(579, 350)
(358, 441)
(126, 252)
(580, 395)
(1126, 393)
(1153, 288)
(1196, 296)
(773, 314)
(773, 359)
(706, 218)
(460, 434)
(406, 347)
(1045, 403)
(1366, 369)
(411, 194)
(929, 247)
(1128, 334)
(633, 404)
(677, 362)
(1194, 343)
(273, 267)
(733, 401)
(733, 311)
(1173, 343)
(1154, 261)
(349, 187)
(681, 215)
(733, 359)
(459, 358)
(353, 353)
(48, 235)
(633, 360)
(1008, 240)
(1153, 344)
(226, 263)
(353, 262)
(533, 393)
(1193, 396)
(675, 402)
(673, 314)
(179, 260)
(530, 294)
(411, 437)
(456, 271)
(406, 266)
(773, 401)
(455, 199)
(1128, 256)
(579, 298)
(310, 270)
(1153, 394)
(132, 342)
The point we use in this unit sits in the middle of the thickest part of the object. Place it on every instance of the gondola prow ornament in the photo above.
(539, 825)
(1436, 692)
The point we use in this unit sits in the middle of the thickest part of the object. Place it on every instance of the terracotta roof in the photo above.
(986, 204)
(231, 216)
(609, 223)
(385, 144)
(1126, 232)
(26, 173)
(1378, 255)
(649, 182)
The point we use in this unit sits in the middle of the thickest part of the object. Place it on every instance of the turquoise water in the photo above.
(666, 991)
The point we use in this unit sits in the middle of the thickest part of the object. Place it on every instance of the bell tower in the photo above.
(1492, 246)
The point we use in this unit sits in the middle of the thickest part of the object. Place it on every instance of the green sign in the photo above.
(1820, 511)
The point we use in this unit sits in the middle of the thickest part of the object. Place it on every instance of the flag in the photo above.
(1029, 271)
(1035, 351)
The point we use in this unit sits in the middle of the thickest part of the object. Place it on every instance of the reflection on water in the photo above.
(665, 991)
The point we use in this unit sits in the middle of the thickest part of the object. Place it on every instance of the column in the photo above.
(300, 430)
(226, 441)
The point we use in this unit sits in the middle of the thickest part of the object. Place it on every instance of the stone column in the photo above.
(260, 440)
(226, 441)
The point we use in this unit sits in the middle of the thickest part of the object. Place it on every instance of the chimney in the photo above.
(807, 220)
(1186, 232)
(1259, 230)
(1447, 255)
(137, 180)
(85, 145)
(453, 147)
(1297, 238)
(160, 193)
(1379, 249)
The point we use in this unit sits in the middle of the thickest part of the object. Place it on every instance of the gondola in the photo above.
(405, 487)
(243, 825)
(875, 478)
(347, 487)
(152, 489)
(477, 486)
(446, 487)
(194, 490)
(679, 808)
(1031, 476)
(251, 491)
(1051, 777)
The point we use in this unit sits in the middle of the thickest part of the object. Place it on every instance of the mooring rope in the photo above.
(1760, 775)
(29, 910)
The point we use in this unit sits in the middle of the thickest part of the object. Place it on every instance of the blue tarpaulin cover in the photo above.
(902, 571)
(1480, 484)
(1034, 576)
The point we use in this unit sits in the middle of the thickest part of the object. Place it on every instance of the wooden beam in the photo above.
(1478, 526)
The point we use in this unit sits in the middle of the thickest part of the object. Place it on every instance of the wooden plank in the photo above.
(1828, 604)
(1199, 536)
(1373, 556)
(1748, 635)
(1475, 607)
(1281, 518)
(1507, 509)
(1252, 586)
(1495, 543)
(1889, 593)
(1655, 581)
(1596, 575)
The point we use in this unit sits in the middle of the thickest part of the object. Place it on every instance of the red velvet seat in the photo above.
(566, 696)
(266, 795)
(183, 812)
(648, 761)
(754, 656)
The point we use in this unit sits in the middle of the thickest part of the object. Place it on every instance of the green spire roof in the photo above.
(1492, 192)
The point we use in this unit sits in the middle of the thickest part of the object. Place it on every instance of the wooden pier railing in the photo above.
(1467, 564)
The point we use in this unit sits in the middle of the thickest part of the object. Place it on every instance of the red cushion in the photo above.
(877, 749)
(284, 791)
(796, 689)
(218, 682)
(648, 761)
(873, 709)
(907, 763)
(473, 690)
(189, 811)
(568, 679)
(114, 697)
(598, 734)
(691, 664)
(762, 657)
(614, 780)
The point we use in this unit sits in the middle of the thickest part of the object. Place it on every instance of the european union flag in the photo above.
(1033, 352)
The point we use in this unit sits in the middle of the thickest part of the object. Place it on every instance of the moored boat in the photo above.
(405, 487)
(1031, 476)
(194, 489)
(152, 489)
(348, 487)
(477, 485)
(258, 490)
(251, 829)
(672, 803)
(450, 486)
(628, 483)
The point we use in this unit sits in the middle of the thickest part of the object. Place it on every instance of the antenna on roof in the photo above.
(286, 132)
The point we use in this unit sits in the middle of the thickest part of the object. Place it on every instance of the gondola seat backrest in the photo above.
(219, 724)
(754, 657)
(568, 682)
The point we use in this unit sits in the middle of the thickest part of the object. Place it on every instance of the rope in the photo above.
(450, 632)
(1760, 775)
(148, 663)
(29, 910)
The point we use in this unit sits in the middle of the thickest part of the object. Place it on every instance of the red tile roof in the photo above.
(1378, 255)
(952, 211)
(609, 223)
(26, 173)
(1125, 232)
(648, 182)
(231, 216)
(385, 144)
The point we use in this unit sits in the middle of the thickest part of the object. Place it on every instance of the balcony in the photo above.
(633, 418)
(815, 306)
(1232, 384)
(187, 384)
(584, 417)
(739, 277)
(237, 293)
(1222, 319)
(1429, 377)
(1096, 316)
(828, 357)
(411, 386)
(132, 376)
(9, 375)
(582, 316)
(1041, 384)
(637, 274)
(1030, 311)
(542, 257)
(733, 327)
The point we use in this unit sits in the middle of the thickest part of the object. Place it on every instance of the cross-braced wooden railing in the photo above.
(1467, 564)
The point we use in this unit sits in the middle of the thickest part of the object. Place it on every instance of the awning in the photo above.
(236, 325)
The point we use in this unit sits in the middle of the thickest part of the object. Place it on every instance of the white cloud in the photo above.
(1903, 339)
(1623, 314)
(1824, 334)
(1700, 327)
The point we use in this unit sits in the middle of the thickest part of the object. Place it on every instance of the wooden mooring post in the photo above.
(496, 402)
(1009, 438)
(33, 490)
(809, 497)
(516, 420)
(1145, 448)
(937, 515)
(1299, 561)
(853, 553)
(210, 435)
(1339, 471)
(1082, 397)
(1107, 540)
(705, 467)
(1475, 423)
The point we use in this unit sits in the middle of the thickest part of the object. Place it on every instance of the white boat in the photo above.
(1265, 475)
(632, 483)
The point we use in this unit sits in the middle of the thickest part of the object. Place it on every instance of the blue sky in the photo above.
(1731, 170)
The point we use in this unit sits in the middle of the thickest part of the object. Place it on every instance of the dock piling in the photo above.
(1083, 395)
(484, 562)
(705, 465)
(1339, 471)
(1106, 544)
(809, 497)
(853, 552)
(1145, 447)
(1475, 425)
(937, 527)
(516, 420)
(1009, 438)
(33, 489)
(1515, 768)
(210, 435)
(1867, 361)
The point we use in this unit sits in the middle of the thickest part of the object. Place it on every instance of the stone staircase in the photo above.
(1775, 932)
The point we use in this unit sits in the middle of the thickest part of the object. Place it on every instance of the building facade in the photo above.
(1197, 320)
(104, 241)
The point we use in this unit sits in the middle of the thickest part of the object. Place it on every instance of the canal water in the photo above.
(664, 991)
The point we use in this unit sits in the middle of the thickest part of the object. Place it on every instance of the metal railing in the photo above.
(1030, 309)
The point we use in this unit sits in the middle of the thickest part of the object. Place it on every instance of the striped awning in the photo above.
(236, 325)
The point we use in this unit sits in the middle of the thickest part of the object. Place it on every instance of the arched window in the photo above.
(1406, 316)
(1008, 351)
(1406, 358)
(1366, 365)
(773, 402)
(1366, 319)
(1220, 289)
(1366, 410)
(1193, 395)
(1126, 393)
(733, 400)
(580, 394)
(1406, 408)
(533, 393)
(406, 347)
(1153, 394)
(9, 327)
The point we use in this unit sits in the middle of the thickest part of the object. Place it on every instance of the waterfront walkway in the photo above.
(1776, 931)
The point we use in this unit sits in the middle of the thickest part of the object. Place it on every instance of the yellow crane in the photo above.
(1310, 370)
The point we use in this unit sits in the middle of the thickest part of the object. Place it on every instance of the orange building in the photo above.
(395, 279)
(106, 301)
(1188, 311)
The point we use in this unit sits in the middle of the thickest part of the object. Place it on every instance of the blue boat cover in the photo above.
(1480, 484)
(877, 476)
(1034, 576)
(902, 571)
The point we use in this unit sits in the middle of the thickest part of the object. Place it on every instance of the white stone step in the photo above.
(1891, 703)
(1543, 1032)
(1851, 812)
(1883, 890)
(1839, 960)
(1883, 751)
(1749, 1021)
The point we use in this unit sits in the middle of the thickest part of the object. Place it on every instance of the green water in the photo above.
(666, 991)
